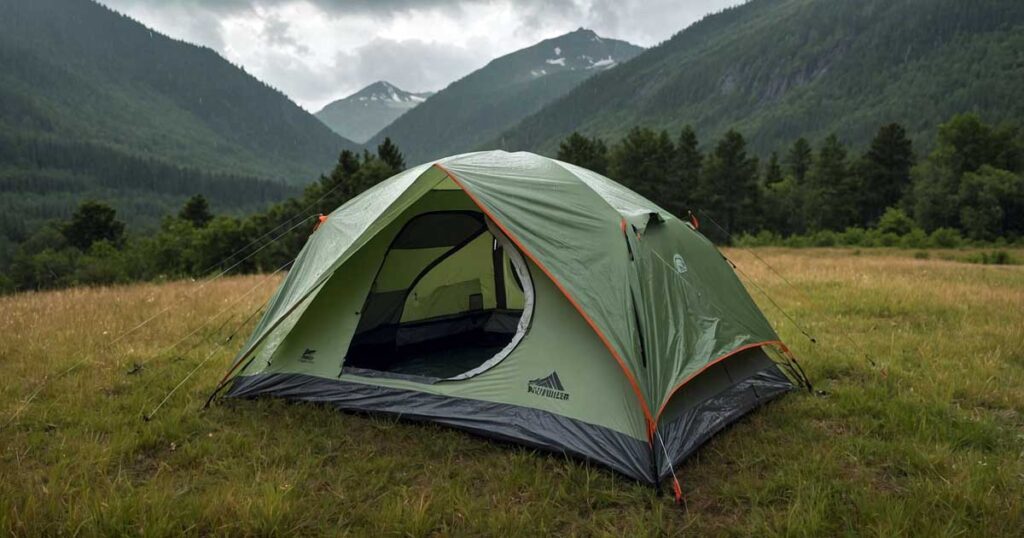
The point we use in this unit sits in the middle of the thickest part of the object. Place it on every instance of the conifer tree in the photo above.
(643, 161)
(799, 159)
(590, 153)
(773, 172)
(196, 211)
(348, 162)
(91, 222)
(730, 184)
(688, 164)
(884, 172)
(828, 190)
(388, 152)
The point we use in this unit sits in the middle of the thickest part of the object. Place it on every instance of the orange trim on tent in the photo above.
(572, 301)
(320, 219)
(693, 221)
(712, 363)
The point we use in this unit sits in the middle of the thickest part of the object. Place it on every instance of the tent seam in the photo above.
(711, 363)
(651, 424)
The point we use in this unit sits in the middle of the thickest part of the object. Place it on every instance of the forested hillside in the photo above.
(95, 105)
(493, 98)
(76, 70)
(46, 178)
(779, 69)
(95, 246)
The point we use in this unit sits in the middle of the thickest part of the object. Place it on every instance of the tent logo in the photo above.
(549, 387)
(307, 356)
(680, 263)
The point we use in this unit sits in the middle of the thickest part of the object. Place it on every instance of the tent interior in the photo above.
(448, 296)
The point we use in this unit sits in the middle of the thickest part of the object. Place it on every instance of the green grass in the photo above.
(929, 441)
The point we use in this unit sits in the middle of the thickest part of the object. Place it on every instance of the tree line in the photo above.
(94, 247)
(42, 178)
(969, 189)
(969, 186)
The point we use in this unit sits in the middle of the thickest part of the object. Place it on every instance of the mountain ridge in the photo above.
(364, 113)
(780, 69)
(95, 105)
(491, 99)
(148, 94)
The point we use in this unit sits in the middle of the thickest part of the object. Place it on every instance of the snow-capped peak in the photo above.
(385, 92)
(363, 114)
(580, 50)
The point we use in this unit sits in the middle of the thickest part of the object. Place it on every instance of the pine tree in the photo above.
(197, 211)
(799, 159)
(348, 162)
(773, 172)
(339, 182)
(730, 185)
(782, 200)
(91, 222)
(828, 190)
(590, 153)
(388, 152)
(643, 161)
(884, 172)
(688, 164)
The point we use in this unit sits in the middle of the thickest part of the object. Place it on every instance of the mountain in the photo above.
(95, 105)
(495, 97)
(780, 69)
(363, 114)
(75, 70)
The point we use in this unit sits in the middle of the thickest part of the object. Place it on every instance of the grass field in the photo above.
(929, 441)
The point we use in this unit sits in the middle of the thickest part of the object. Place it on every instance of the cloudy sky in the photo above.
(320, 50)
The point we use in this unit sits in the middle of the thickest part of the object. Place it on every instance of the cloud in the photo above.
(277, 32)
(320, 50)
(648, 22)
(414, 64)
(411, 64)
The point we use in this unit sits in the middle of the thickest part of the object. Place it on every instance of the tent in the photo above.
(524, 299)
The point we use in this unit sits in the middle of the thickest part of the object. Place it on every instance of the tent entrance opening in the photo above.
(447, 302)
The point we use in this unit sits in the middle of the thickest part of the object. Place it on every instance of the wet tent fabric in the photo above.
(635, 314)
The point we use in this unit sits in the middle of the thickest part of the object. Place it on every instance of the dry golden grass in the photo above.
(928, 441)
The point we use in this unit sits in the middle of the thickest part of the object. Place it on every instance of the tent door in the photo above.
(442, 306)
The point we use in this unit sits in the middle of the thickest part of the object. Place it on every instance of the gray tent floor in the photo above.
(443, 363)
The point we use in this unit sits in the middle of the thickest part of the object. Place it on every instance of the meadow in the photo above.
(916, 426)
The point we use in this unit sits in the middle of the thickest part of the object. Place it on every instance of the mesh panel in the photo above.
(448, 287)
(403, 266)
(444, 229)
(423, 243)
(433, 308)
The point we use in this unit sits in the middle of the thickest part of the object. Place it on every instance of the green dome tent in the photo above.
(524, 299)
